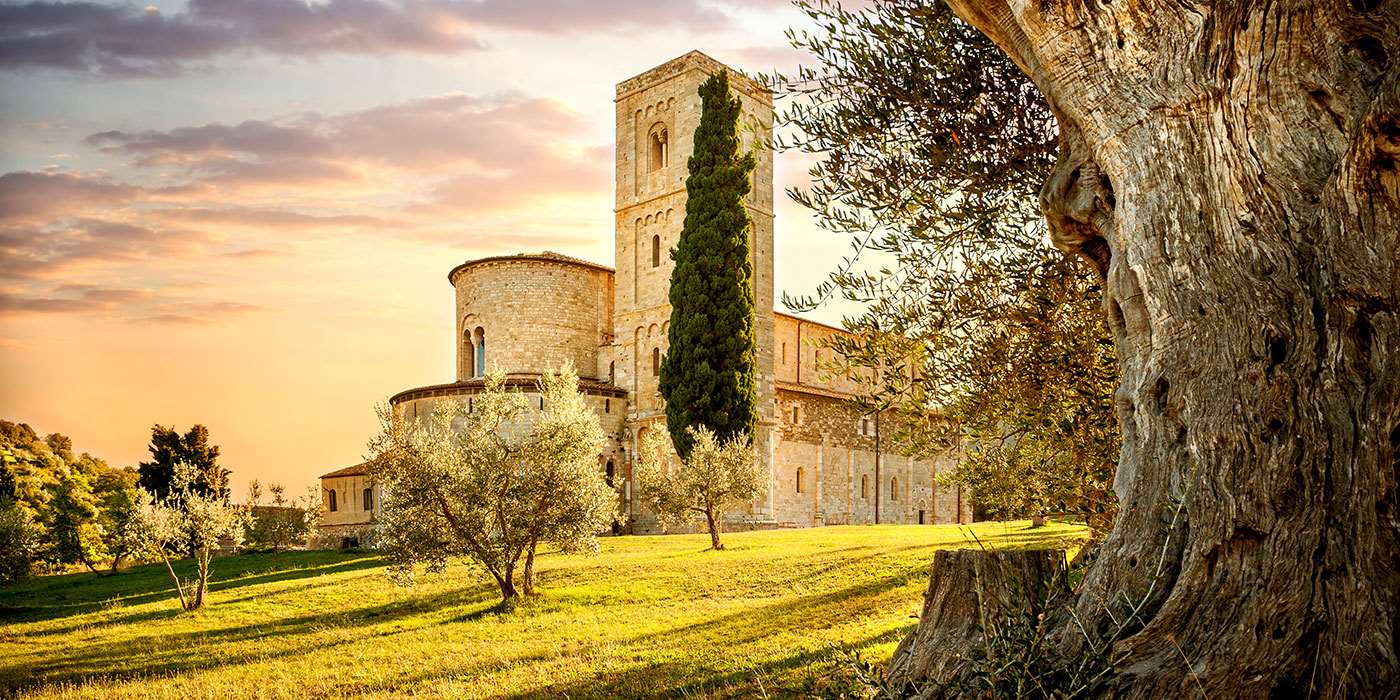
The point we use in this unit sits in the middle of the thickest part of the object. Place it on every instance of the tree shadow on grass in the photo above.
(181, 652)
(80, 594)
(699, 673)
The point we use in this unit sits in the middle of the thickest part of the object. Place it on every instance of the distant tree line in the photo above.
(59, 510)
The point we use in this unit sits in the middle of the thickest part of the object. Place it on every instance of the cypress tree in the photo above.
(709, 374)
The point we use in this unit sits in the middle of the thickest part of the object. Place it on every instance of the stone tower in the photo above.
(657, 113)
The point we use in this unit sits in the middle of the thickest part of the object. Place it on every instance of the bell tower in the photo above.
(657, 113)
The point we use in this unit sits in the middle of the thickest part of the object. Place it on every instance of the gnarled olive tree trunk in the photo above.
(1233, 170)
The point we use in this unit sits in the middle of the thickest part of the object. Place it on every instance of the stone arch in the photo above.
(658, 147)
(651, 330)
(479, 352)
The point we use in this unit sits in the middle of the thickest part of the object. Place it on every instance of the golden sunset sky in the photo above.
(242, 213)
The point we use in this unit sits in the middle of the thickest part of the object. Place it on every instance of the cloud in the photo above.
(28, 196)
(198, 312)
(479, 153)
(74, 299)
(28, 253)
(129, 40)
(570, 16)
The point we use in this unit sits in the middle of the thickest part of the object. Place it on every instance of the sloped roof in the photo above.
(360, 469)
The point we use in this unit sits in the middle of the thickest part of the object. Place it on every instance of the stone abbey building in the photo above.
(528, 313)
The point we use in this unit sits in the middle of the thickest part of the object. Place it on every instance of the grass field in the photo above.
(647, 616)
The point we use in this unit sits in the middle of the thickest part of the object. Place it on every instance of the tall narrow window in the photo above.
(607, 405)
(864, 487)
(894, 488)
(479, 335)
(796, 415)
(331, 504)
(799, 479)
(784, 353)
(369, 500)
(612, 372)
(469, 343)
(608, 474)
(656, 362)
(659, 147)
(656, 251)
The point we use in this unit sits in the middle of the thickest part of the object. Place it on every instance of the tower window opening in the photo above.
(660, 148)
(864, 487)
(607, 405)
(369, 500)
(799, 479)
(656, 251)
(331, 505)
(894, 488)
(612, 372)
(656, 362)
(784, 353)
(479, 336)
(608, 474)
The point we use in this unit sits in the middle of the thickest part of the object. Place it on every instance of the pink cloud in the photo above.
(29, 196)
(128, 40)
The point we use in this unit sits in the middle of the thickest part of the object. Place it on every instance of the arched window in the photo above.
(800, 474)
(656, 362)
(369, 500)
(864, 486)
(479, 335)
(331, 504)
(607, 405)
(660, 149)
(469, 343)
(656, 251)
(894, 488)
(612, 372)
(608, 473)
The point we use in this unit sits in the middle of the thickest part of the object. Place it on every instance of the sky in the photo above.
(241, 213)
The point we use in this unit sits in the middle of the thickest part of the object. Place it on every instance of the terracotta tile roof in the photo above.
(360, 469)
(524, 382)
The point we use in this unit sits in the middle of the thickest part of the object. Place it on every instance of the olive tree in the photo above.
(186, 519)
(492, 482)
(929, 145)
(716, 477)
(1230, 171)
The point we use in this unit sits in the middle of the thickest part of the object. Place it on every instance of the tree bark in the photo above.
(529, 584)
(201, 585)
(179, 588)
(970, 591)
(1232, 170)
(713, 524)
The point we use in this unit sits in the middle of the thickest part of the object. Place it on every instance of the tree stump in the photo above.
(970, 590)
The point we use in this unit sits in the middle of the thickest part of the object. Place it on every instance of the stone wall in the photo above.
(650, 214)
(536, 311)
(827, 446)
(350, 508)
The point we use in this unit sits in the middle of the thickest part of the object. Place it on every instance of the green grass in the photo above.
(648, 616)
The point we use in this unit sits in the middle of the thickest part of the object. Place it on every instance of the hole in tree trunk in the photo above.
(1278, 350)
